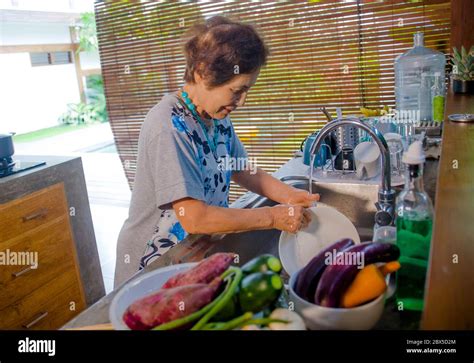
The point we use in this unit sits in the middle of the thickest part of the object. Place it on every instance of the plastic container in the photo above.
(322, 154)
(412, 95)
(425, 97)
(414, 227)
(438, 98)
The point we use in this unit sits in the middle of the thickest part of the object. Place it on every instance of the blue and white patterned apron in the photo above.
(215, 181)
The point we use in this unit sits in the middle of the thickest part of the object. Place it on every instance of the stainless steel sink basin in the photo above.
(356, 201)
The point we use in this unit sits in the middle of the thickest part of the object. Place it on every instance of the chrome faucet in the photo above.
(386, 195)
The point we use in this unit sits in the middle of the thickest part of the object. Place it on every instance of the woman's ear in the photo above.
(197, 77)
(198, 71)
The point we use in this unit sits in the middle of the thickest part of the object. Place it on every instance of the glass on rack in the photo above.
(395, 146)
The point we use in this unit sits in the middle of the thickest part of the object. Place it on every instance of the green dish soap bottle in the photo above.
(414, 222)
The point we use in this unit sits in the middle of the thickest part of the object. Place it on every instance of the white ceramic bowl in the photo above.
(141, 287)
(318, 317)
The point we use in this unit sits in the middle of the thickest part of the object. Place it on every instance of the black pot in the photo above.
(6, 145)
(463, 86)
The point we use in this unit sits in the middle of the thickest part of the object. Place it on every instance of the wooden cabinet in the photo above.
(40, 282)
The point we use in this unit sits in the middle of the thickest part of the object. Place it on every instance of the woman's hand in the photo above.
(303, 198)
(290, 218)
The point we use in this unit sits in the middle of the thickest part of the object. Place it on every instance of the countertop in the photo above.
(449, 302)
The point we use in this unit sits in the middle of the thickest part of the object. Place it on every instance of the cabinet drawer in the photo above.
(51, 245)
(48, 307)
(31, 211)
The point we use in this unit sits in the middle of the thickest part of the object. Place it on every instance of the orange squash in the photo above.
(368, 284)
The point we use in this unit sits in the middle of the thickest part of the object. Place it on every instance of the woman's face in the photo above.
(218, 102)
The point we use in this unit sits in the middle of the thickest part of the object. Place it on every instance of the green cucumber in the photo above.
(262, 263)
(229, 311)
(227, 295)
(259, 290)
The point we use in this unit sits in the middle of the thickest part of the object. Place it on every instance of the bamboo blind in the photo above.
(323, 53)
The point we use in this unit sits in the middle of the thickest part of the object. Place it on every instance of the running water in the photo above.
(312, 159)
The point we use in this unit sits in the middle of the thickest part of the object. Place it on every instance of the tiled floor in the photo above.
(107, 223)
(109, 198)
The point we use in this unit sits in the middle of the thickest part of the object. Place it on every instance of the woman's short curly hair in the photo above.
(220, 49)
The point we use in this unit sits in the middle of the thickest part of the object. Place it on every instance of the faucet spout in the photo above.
(386, 195)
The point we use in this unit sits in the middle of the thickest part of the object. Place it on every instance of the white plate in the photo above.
(326, 227)
(140, 287)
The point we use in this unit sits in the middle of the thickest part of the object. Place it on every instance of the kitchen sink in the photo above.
(355, 201)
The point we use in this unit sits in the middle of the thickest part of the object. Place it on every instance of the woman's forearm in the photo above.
(264, 184)
(197, 217)
(233, 220)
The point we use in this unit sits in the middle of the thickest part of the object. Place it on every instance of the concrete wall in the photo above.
(34, 33)
(89, 60)
(33, 98)
(65, 6)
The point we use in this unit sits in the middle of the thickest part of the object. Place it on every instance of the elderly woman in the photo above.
(181, 185)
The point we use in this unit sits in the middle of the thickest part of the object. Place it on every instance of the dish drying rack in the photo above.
(430, 128)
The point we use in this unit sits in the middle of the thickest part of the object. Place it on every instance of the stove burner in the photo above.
(9, 166)
(6, 163)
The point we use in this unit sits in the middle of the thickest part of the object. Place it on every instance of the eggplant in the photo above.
(337, 277)
(309, 276)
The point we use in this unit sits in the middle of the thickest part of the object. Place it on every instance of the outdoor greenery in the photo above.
(87, 33)
(78, 113)
(94, 110)
(46, 133)
(96, 97)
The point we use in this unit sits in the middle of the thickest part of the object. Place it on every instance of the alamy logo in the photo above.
(229, 163)
(28, 345)
(401, 117)
(344, 258)
(14, 258)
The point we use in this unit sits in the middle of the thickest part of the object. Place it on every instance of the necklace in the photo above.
(212, 144)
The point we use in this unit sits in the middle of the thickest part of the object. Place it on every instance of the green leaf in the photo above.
(87, 33)
(463, 53)
(457, 56)
(468, 61)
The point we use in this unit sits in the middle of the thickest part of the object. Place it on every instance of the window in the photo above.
(323, 53)
(50, 58)
(61, 57)
(40, 59)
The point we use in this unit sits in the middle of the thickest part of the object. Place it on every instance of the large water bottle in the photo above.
(412, 90)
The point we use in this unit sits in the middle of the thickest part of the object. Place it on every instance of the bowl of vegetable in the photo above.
(144, 285)
(318, 317)
(333, 292)
(209, 295)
